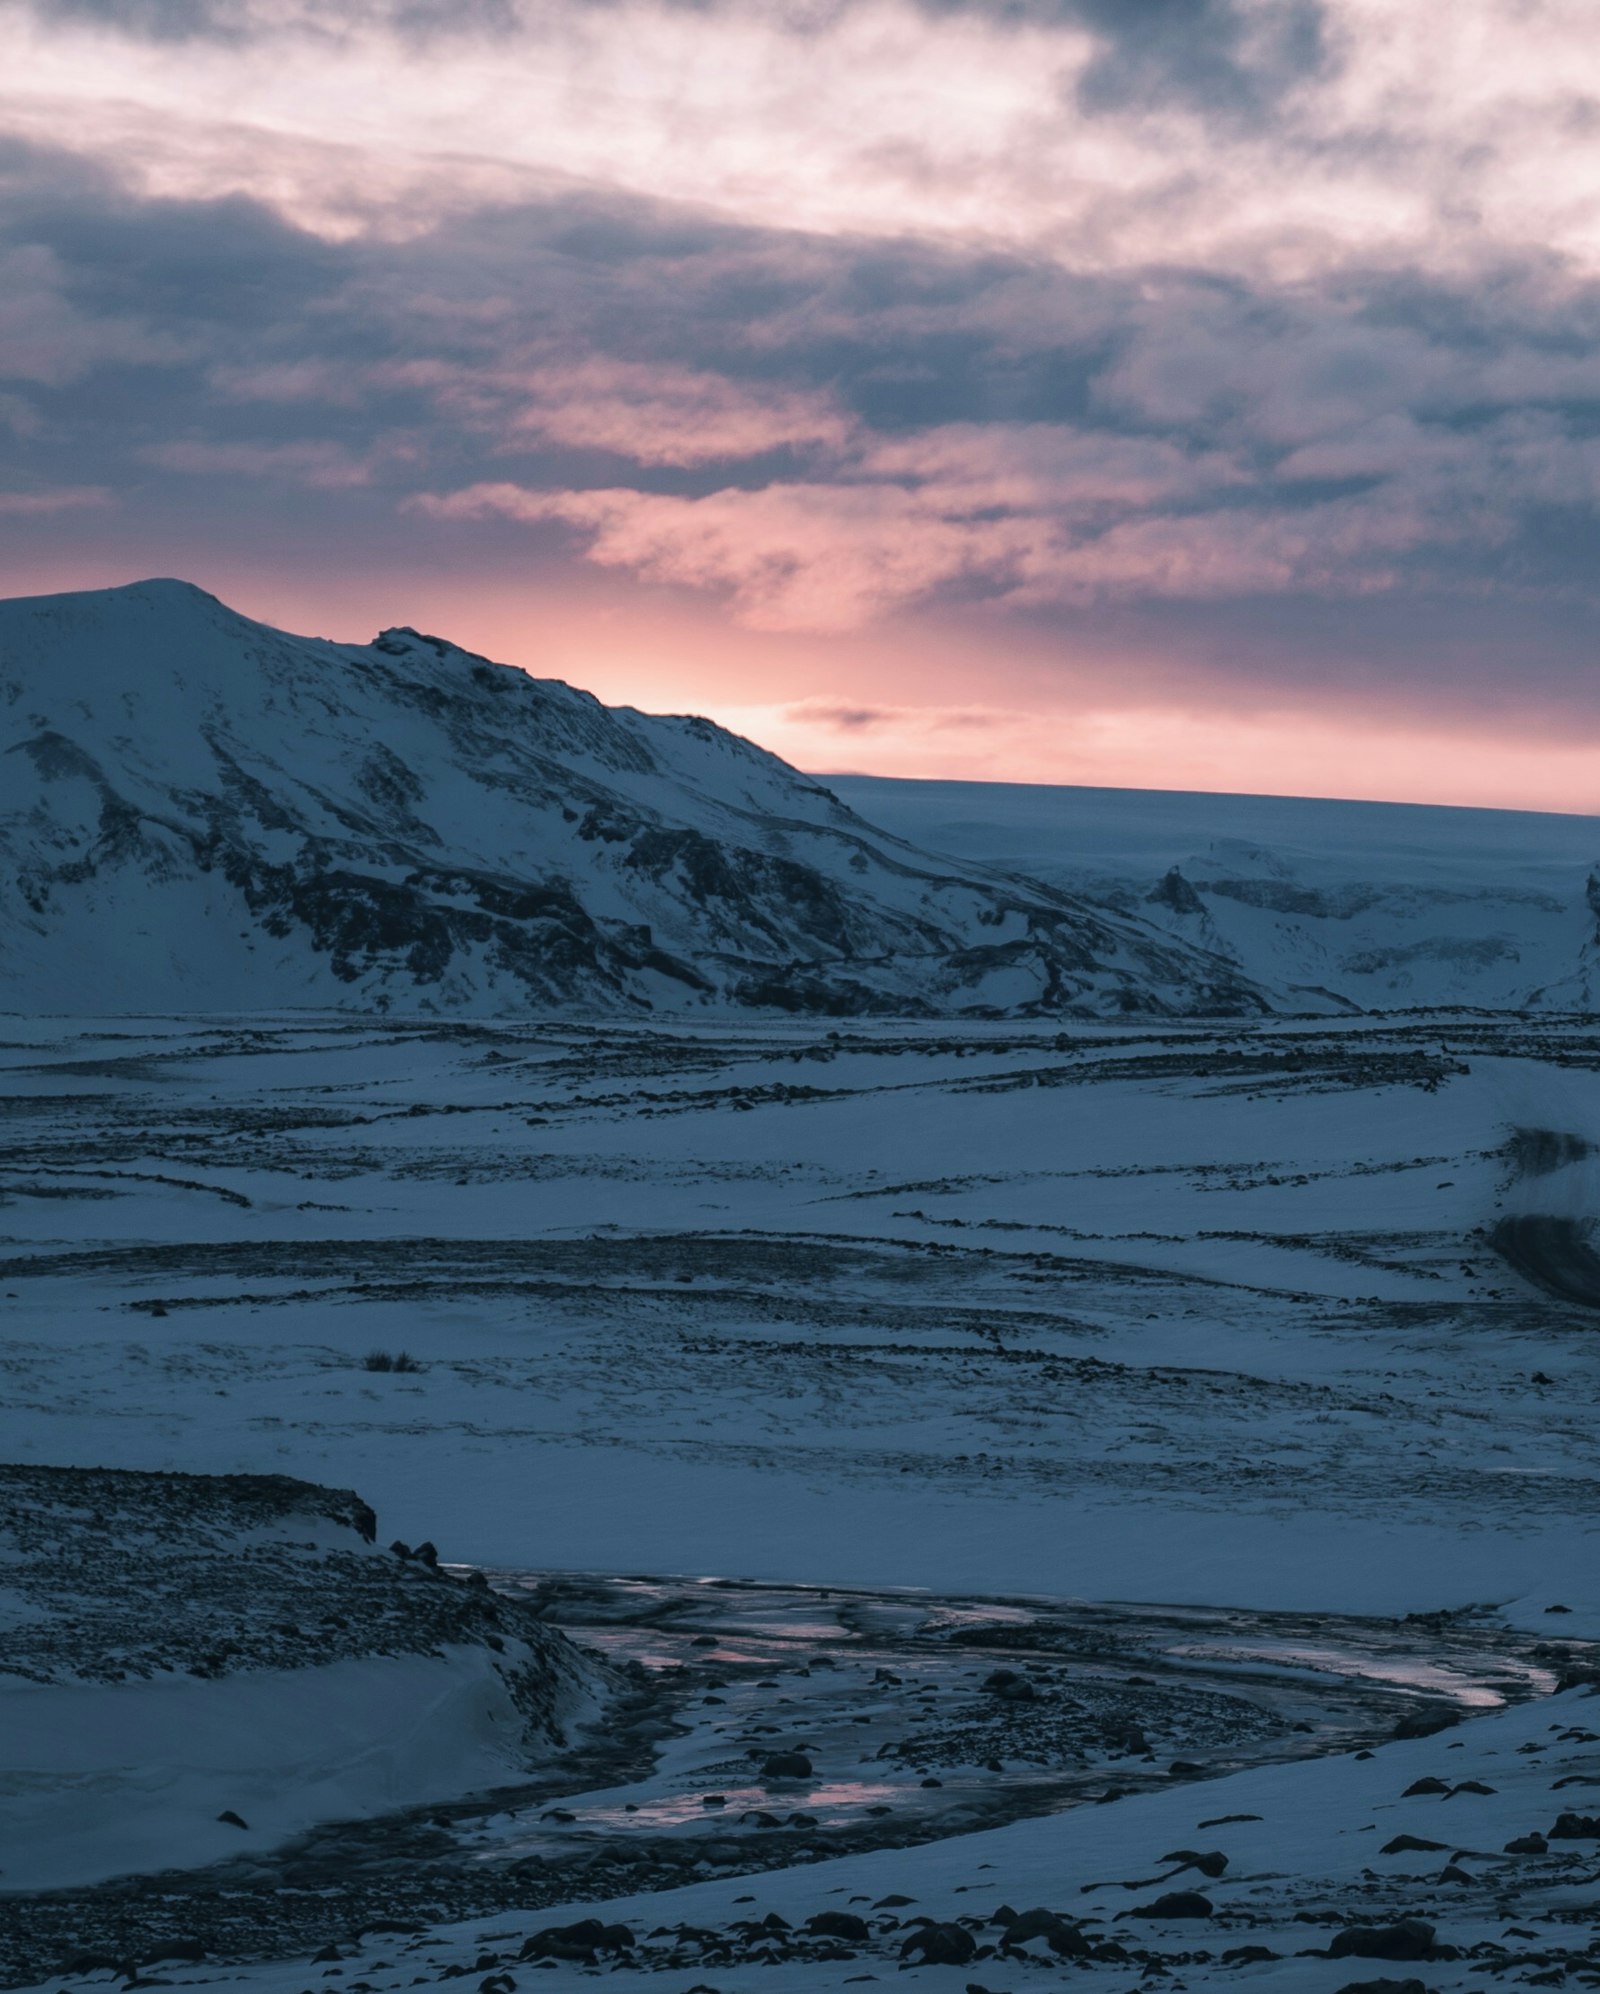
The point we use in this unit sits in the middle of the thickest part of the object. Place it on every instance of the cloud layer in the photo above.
(1245, 350)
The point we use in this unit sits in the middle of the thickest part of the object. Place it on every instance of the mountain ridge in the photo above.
(214, 814)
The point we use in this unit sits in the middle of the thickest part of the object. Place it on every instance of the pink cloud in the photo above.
(791, 557)
(672, 415)
(325, 466)
(1020, 515)
(75, 498)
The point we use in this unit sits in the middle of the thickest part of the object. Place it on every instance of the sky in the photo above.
(1170, 393)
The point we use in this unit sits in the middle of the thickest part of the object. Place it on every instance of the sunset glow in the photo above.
(1203, 396)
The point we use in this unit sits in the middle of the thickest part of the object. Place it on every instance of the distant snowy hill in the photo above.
(200, 812)
(1389, 905)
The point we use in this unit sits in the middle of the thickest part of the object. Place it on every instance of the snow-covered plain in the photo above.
(1228, 1317)
(1389, 904)
(1176, 1315)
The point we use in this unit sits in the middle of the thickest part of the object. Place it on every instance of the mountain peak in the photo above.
(207, 813)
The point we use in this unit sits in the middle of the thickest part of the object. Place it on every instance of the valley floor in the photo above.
(1292, 1322)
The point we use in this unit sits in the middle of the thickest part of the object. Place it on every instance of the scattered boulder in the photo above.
(940, 1945)
(1576, 1828)
(786, 1765)
(1426, 1722)
(1210, 1862)
(1175, 1904)
(1059, 1932)
(1008, 1684)
(838, 1925)
(1428, 1785)
(1527, 1845)
(1384, 1987)
(577, 1943)
(1407, 1938)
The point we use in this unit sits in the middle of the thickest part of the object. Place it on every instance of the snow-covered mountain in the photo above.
(1389, 905)
(201, 812)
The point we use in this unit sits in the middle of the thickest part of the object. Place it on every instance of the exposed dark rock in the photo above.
(1407, 1938)
(1384, 1986)
(940, 1945)
(1174, 891)
(839, 1925)
(1425, 1723)
(786, 1765)
(1175, 1904)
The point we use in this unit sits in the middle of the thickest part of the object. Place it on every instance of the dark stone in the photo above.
(1407, 1938)
(233, 1820)
(1384, 1987)
(940, 1945)
(1209, 1862)
(1013, 1687)
(786, 1765)
(1576, 1828)
(1175, 892)
(1175, 1904)
(577, 1942)
(838, 1925)
(1060, 1931)
(1425, 1723)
